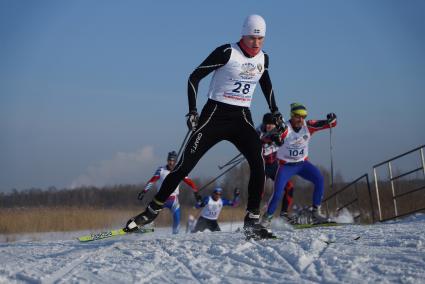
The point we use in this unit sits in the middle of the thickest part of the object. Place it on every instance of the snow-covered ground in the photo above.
(391, 252)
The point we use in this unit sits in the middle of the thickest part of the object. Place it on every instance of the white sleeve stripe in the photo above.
(226, 49)
(196, 95)
(244, 116)
(210, 66)
(270, 97)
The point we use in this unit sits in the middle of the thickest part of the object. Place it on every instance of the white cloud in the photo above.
(124, 168)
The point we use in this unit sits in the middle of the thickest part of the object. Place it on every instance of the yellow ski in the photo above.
(109, 234)
(307, 226)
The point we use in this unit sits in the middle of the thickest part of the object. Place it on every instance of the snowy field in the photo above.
(393, 252)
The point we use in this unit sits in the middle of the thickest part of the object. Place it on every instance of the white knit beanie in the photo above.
(254, 25)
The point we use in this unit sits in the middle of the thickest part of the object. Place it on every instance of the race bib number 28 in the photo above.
(241, 88)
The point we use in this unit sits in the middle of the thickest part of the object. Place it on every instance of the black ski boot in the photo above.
(253, 229)
(150, 213)
(288, 219)
(318, 218)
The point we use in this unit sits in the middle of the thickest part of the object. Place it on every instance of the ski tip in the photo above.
(112, 233)
(85, 239)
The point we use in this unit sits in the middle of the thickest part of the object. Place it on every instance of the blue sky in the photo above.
(95, 91)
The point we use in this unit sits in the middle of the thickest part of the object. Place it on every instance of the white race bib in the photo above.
(212, 209)
(295, 145)
(235, 82)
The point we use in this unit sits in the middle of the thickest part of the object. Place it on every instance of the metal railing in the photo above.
(353, 201)
(339, 197)
(394, 178)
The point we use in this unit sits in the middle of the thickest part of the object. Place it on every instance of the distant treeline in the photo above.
(106, 197)
(117, 196)
(125, 196)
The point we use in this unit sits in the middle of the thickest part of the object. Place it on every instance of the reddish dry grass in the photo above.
(31, 220)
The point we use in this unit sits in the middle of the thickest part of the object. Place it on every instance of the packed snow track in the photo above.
(391, 252)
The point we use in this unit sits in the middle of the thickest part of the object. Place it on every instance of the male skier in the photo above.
(238, 67)
(211, 209)
(293, 160)
(172, 201)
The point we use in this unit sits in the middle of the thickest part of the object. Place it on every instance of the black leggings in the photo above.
(219, 121)
(203, 223)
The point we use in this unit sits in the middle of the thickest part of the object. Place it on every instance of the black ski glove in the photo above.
(198, 198)
(275, 135)
(331, 117)
(192, 120)
(278, 120)
(276, 138)
(141, 195)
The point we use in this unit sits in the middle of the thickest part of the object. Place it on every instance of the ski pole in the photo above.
(233, 204)
(233, 162)
(219, 176)
(330, 151)
(184, 142)
(230, 162)
(231, 221)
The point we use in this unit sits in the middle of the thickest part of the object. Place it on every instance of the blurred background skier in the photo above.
(293, 160)
(211, 209)
(190, 224)
(172, 201)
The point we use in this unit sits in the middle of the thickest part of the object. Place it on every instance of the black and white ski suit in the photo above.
(226, 115)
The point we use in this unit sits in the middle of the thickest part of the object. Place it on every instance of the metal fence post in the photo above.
(336, 203)
(327, 208)
(423, 161)
(377, 194)
(399, 176)
(357, 197)
(392, 188)
(370, 198)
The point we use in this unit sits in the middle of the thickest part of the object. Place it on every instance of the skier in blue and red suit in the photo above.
(267, 131)
(293, 160)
